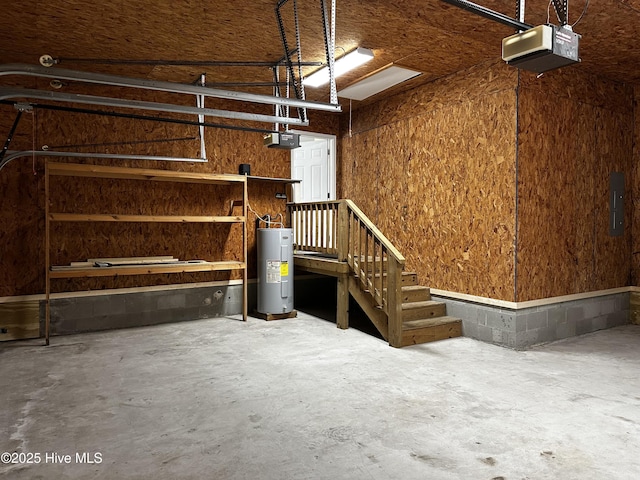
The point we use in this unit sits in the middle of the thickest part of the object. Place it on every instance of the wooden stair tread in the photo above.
(424, 309)
(423, 304)
(415, 293)
(413, 288)
(429, 322)
(416, 332)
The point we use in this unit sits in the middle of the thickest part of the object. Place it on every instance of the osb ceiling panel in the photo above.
(428, 35)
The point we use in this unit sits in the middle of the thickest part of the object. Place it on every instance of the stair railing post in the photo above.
(394, 298)
(343, 231)
(342, 312)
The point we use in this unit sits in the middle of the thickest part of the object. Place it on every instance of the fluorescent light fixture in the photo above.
(342, 65)
(377, 82)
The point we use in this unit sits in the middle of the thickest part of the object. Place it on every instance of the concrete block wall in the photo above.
(522, 328)
(122, 310)
(135, 309)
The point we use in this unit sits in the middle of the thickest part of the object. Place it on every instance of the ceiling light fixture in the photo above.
(342, 65)
(378, 81)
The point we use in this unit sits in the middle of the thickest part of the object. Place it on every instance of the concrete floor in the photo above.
(300, 399)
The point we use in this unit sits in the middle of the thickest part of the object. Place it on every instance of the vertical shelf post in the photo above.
(245, 202)
(47, 254)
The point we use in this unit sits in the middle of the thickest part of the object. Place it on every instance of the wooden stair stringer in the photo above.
(375, 314)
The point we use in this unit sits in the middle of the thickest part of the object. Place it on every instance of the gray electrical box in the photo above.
(616, 204)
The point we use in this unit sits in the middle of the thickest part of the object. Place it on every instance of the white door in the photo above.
(314, 164)
(310, 164)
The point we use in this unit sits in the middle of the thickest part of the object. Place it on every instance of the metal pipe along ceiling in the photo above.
(11, 93)
(172, 87)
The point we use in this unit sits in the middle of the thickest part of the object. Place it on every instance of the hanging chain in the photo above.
(299, 49)
(333, 93)
(329, 50)
(287, 53)
(561, 7)
(519, 12)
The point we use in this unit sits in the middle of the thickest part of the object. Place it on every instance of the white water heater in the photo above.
(275, 270)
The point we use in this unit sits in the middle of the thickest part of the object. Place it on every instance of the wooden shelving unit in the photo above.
(100, 171)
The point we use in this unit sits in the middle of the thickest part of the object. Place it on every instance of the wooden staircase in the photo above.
(425, 320)
(337, 239)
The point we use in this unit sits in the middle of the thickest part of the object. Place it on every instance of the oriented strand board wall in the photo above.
(573, 131)
(21, 214)
(22, 209)
(635, 192)
(434, 168)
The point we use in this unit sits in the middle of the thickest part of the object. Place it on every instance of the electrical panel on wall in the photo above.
(616, 204)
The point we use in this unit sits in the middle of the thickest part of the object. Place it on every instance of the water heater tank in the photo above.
(275, 270)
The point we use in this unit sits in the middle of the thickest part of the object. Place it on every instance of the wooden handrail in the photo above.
(331, 205)
(376, 233)
(340, 228)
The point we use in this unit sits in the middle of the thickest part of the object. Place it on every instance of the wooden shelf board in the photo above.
(131, 266)
(81, 217)
(103, 171)
(273, 179)
(79, 272)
